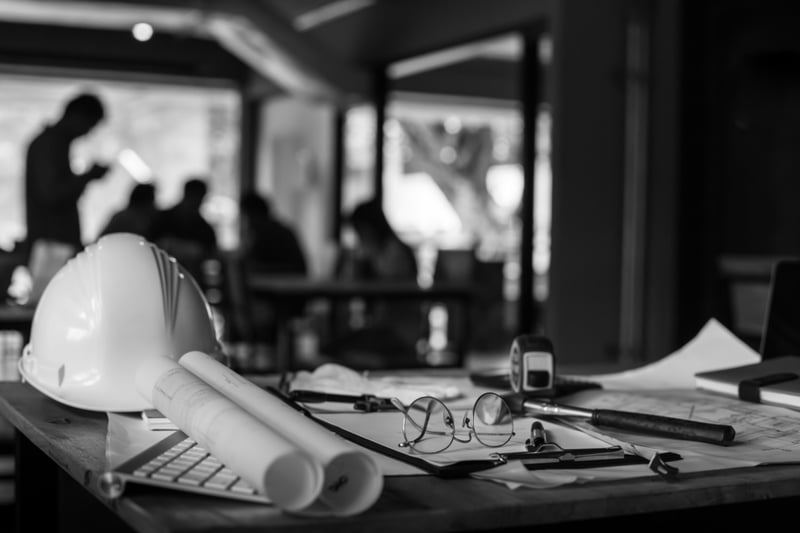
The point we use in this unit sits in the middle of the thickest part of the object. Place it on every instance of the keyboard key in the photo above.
(189, 467)
(219, 481)
(242, 487)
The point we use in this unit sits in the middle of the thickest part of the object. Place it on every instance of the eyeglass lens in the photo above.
(492, 421)
(428, 424)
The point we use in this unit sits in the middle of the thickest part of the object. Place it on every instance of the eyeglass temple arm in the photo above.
(422, 429)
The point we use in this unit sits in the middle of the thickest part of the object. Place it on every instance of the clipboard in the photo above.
(551, 457)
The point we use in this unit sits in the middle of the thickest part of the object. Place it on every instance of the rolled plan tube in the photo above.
(286, 474)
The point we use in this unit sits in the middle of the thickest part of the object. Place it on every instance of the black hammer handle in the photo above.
(676, 428)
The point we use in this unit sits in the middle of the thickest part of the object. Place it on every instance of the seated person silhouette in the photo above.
(269, 247)
(138, 216)
(184, 233)
(390, 330)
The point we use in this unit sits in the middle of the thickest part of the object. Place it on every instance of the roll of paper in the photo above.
(288, 475)
(352, 479)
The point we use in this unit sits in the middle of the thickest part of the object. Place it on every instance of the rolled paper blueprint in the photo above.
(353, 480)
(285, 473)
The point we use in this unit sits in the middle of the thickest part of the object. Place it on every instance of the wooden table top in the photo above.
(75, 440)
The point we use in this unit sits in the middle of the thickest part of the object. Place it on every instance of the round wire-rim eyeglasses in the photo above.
(429, 426)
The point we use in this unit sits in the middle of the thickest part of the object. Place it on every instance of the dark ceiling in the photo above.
(388, 30)
(90, 49)
(341, 42)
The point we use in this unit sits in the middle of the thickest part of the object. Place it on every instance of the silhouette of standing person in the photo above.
(138, 216)
(52, 188)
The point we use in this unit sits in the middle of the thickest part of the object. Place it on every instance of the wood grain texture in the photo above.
(75, 440)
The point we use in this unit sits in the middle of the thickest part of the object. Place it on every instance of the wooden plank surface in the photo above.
(75, 440)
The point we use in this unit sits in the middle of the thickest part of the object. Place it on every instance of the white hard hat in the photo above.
(119, 301)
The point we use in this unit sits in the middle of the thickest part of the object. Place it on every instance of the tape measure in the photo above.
(532, 365)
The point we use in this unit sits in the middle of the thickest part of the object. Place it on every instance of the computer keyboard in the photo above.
(178, 462)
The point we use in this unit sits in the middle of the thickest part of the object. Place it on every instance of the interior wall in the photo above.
(661, 277)
(590, 77)
(583, 308)
(294, 167)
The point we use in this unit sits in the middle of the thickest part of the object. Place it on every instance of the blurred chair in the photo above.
(454, 266)
(449, 334)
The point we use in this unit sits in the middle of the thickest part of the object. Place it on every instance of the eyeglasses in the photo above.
(429, 427)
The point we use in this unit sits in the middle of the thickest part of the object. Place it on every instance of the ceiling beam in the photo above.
(285, 53)
(260, 37)
(506, 48)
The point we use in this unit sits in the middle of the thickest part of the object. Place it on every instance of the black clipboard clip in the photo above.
(548, 454)
(540, 451)
(551, 455)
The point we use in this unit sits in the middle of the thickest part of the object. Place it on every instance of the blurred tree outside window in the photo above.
(453, 181)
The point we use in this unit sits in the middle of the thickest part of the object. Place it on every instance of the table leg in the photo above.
(35, 487)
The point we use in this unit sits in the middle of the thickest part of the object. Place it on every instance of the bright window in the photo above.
(162, 132)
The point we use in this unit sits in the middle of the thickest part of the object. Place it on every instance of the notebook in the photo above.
(776, 379)
(772, 381)
(178, 462)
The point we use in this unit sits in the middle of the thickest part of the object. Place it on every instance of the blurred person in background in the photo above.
(138, 216)
(379, 254)
(184, 233)
(270, 245)
(390, 330)
(52, 189)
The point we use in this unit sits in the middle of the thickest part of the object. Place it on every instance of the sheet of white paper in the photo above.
(515, 475)
(651, 388)
(337, 379)
(127, 436)
(386, 428)
(764, 434)
(714, 347)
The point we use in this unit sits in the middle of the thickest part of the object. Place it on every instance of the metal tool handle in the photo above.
(676, 428)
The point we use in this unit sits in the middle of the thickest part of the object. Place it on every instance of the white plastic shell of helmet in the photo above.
(119, 301)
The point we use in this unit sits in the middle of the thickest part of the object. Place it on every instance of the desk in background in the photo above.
(60, 453)
(17, 318)
(289, 292)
